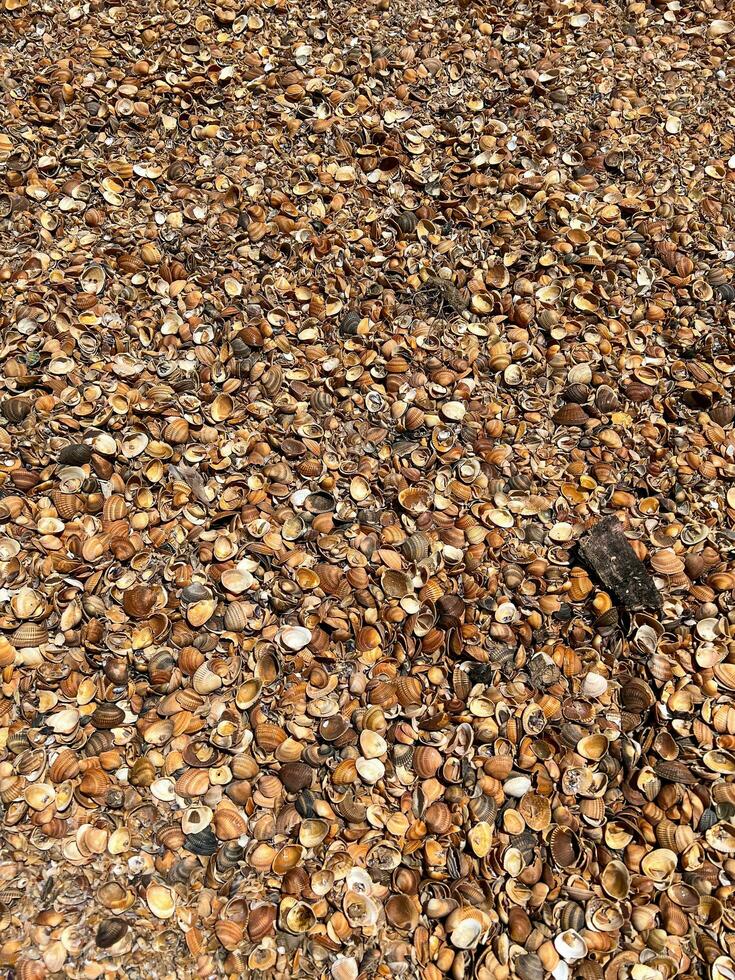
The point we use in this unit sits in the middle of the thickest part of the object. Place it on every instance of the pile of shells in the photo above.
(328, 331)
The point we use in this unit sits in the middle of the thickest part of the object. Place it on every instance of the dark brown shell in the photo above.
(295, 776)
(349, 323)
(676, 771)
(110, 931)
(637, 696)
(106, 716)
(606, 400)
(636, 391)
(16, 409)
(406, 221)
(564, 847)
(576, 393)
(75, 454)
(571, 414)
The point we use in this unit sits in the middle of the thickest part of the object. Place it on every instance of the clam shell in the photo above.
(109, 932)
(161, 901)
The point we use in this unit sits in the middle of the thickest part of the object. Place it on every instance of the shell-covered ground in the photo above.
(328, 334)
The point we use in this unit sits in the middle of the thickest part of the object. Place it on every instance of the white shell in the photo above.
(294, 638)
(570, 946)
(370, 770)
(344, 968)
(517, 786)
(466, 933)
(594, 685)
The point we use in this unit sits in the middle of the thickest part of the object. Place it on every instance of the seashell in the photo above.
(140, 601)
(16, 409)
(576, 393)
(248, 694)
(360, 910)
(228, 823)
(29, 635)
(67, 505)
(287, 858)
(192, 783)
(528, 966)
(295, 776)
(161, 901)
(592, 747)
(570, 414)
(517, 786)
(269, 736)
(372, 745)
(110, 932)
(535, 810)
(570, 946)
(294, 638)
(438, 818)
(659, 865)
(571, 916)
(229, 934)
(320, 503)
(676, 771)
(481, 839)
(638, 392)
(204, 843)
(38, 796)
(349, 324)
(405, 221)
(637, 696)
(426, 761)
(205, 681)
(345, 773)
(409, 691)
(199, 613)
(64, 767)
(467, 930)
(261, 920)
(606, 400)
(402, 913)
(370, 771)
(107, 716)
(312, 832)
(396, 584)
(615, 879)
(564, 847)
(415, 500)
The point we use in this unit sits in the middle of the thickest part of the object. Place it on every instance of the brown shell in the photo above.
(110, 931)
(16, 409)
(261, 921)
(269, 736)
(229, 934)
(576, 393)
(67, 505)
(426, 761)
(139, 601)
(75, 454)
(295, 776)
(228, 824)
(438, 818)
(635, 391)
(344, 773)
(564, 847)
(193, 783)
(113, 509)
(606, 400)
(637, 696)
(570, 414)
(29, 634)
(107, 715)
(409, 691)
(65, 766)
